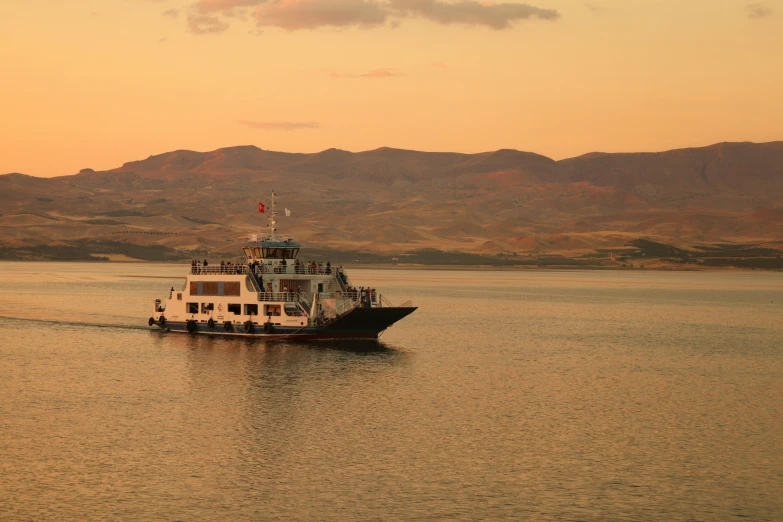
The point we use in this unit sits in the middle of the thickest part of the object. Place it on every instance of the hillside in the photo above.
(392, 201)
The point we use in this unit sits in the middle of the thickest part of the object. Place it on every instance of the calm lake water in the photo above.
(540, 395)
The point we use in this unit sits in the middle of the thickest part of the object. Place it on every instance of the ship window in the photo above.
(235, 309)
(209, 288)
(230, 288)
(248, 252)
(272, 310)
(193, 288)
(206, 307)
(192, 308)
(251, 309)
(179, 296)
(257, 252)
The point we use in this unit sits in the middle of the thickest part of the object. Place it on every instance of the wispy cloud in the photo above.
(294, 15)
(211, 6)
(171, 13)
(468, 12)
(280, 125)
(375, 73)
(758, 11)
(594, 7)
(205, 24)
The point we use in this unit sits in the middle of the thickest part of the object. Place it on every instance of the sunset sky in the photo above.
(96, 83)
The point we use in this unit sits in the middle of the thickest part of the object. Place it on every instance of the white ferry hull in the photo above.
(359, 323)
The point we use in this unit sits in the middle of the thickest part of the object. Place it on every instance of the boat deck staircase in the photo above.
(305, 302)
(256, 283)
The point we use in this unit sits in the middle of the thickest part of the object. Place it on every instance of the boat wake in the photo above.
(27, 320)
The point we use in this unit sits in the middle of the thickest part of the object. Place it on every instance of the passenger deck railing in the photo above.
(286, 297)
(291, 269)
(311, 268)
(341, 307)
(220, 270)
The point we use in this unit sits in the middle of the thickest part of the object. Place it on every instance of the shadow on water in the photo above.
(358, 347)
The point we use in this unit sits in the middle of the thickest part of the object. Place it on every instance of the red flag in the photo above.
(260, 207)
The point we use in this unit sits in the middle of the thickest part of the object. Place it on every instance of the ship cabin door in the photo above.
(320, 288)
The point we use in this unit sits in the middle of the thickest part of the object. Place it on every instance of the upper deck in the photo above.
(298, 267)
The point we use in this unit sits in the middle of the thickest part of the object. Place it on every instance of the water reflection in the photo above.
(258, 375)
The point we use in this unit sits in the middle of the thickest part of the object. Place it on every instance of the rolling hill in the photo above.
(392, 201)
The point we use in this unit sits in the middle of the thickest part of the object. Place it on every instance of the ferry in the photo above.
(272, 293)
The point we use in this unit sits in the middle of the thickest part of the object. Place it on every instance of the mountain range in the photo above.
(393, 201)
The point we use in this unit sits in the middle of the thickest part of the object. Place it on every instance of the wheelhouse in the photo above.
(258, 251)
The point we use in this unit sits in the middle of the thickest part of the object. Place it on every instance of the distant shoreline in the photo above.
(451, 267)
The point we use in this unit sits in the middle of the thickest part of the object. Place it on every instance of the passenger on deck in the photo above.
(205, 263)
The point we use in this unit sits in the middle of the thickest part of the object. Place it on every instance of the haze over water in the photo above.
(541, 395)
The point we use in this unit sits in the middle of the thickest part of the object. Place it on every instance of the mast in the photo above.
(271, 220)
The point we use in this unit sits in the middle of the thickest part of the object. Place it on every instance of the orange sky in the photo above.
(96, 83)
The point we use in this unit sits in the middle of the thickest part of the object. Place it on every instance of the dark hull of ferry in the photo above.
(359, 323)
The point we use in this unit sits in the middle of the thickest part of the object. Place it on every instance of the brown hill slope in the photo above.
(394, 200)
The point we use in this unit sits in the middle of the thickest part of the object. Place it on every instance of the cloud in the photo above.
(212, 6)
(205, 24)
(594, 8)
(758, 11)
(375, 73)
(469, 12)
(280, 125)
(171, 13)
(294, 15)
